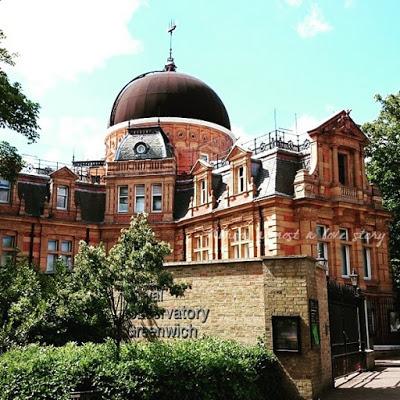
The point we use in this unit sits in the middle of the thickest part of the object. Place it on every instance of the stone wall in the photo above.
(237, 300)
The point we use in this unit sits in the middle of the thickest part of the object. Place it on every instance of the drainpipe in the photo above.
(262, 233)
(219, 252)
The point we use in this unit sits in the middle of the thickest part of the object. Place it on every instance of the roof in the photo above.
(168, 94)
(144, 144)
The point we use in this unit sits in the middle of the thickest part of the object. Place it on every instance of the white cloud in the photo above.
(313, 23)
(294, 3)
(64, 136)
(305, 122)
(58, 40)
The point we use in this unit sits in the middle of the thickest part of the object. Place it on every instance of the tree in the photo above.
(383, 167)
(17, 113)
(124, 281)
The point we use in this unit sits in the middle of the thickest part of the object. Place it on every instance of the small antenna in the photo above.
(170, 66)
(295, 123)
(275, 118)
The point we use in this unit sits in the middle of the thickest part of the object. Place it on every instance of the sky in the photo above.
(307, 58)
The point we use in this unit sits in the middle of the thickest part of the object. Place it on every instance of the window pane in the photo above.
(8, 241)
(67, 260)
(157, 189)
(66, 246)
(321, 231)
(62, 196)
(4, 184)
(157, 204)
(139, 204)
(344, 254)
(364, 237)
(52, 245)
(366, 261)
(62, 190)
(123, 191)
(342, 165)
(7, 257)
(343, 234)
(236, 251)
(320, 250)
(245, 250)
(4, 195)
(51, 259)
(139, 190)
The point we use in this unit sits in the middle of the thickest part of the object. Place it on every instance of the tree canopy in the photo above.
(383, 166)
(17, 113)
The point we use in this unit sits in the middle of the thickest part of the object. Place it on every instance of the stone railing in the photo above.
(349, 192)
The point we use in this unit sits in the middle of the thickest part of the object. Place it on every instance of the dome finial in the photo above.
(170, 65)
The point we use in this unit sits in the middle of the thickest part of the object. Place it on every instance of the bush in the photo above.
(201, 369)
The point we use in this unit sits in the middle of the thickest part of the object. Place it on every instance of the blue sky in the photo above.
(302, 57)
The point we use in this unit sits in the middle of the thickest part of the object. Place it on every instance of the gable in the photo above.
(340, 123)
(64, 173)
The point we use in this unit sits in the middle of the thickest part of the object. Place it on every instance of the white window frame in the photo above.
(140, 197)
(7, 252)
(5, 187)
(366, 254)
(240, 244)
(156, 195)
(121, 210)
(241, 182)
(201, 247)
(344, 245)
(203, 191)
(322, 241)
(59, 253)
(65, 197)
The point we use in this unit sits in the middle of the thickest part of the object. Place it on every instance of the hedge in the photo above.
(200, 369)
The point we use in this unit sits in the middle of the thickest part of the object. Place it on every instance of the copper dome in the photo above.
(168, 94)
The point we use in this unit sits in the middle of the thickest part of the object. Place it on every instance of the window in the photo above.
(345, 251)
(62, 197)
(58, 249)
(201, 247)
(7, 249)
(240, 242)
(204, 157)
(4, 191)
(366, 255)
(203, 191)
(139, 198)
(322, 244)
(342, 165)
(240, 179)
(156, 197)
(122, 199)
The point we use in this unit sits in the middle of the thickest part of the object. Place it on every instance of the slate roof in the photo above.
(35, 195)
(92, 205)
(273, 175)
(153, 139)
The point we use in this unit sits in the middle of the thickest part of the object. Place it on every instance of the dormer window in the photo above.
(5, 189)
(240, 179)
(62, 197)
(203, 191)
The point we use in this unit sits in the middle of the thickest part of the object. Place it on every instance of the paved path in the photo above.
(381, 384)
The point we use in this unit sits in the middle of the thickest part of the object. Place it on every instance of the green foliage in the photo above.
(17, 113)
(10, 162)
(383, 154)
(43, 308)
(121, 283)
(203, 369)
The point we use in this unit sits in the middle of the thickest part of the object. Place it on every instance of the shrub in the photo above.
(200, 369)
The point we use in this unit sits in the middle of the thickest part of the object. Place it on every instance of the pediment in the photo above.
(237, 151)
(340, 123)
(200, 166)
(64, 173)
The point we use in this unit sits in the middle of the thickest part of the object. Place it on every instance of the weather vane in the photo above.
(170, 66)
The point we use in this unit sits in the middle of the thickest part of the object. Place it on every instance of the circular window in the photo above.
(140, 148)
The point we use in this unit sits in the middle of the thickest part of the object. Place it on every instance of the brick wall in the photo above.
(237, 299)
